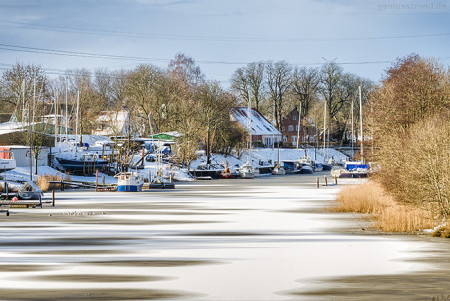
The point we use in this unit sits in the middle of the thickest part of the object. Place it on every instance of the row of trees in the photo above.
(410, 121)
(177, 98)
(275, 88)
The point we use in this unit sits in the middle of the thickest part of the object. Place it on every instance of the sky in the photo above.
(366, 37)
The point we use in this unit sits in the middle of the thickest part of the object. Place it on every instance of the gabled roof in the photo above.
(260, 125)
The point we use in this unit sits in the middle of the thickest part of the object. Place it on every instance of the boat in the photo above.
(306, 164)
(318, 166)
(7, 161)
(129, 181)
(247, 171)
(278, 169)
(351, 169)
(80, 162)
(227, 173)
(159, 181)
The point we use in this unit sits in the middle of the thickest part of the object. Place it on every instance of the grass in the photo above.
(43, 182)
(389, 215)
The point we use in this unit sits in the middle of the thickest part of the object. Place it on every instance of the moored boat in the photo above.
(278, 170)
(7, 161)
(129, 181)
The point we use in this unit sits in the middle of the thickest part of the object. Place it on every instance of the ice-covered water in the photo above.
(217, 240)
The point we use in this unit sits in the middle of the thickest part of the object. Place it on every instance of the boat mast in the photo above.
(324, 128)
(67, 118)
(361, 124)
(249, 124)
(29, 132)
(353, 133)
(299, 123)
(76, 124)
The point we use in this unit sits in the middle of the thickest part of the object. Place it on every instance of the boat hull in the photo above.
(7, 164)
(129, 188)
(247, 175)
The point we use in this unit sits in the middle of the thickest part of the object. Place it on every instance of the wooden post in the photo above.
(103, 180)
(326, 182)
(62, 185)
(335, 180)
(317, 182)
(96, 180)
(53, 198)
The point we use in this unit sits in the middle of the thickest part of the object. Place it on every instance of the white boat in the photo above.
(278, 170)
(306, 164)
(7, 161)
(129, 181)
(247, 171)
(351, 169)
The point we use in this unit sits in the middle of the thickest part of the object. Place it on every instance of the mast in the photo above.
(56, 117)
(67, 117)
(29, 133)
(76, 125)
(361, 124)
(249, 124)
(353, 133)
(324, 127)
(299, 123)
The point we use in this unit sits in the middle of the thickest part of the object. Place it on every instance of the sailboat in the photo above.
(247, 171)
(278, 169)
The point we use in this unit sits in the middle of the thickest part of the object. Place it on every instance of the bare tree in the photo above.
(278, 81)
(305, 86)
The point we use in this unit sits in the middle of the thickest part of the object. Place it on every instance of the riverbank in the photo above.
(264, 239)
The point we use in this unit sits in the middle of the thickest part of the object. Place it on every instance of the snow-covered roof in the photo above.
(260, 125)
(115, 122)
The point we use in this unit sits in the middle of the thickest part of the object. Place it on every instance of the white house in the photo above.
(262, 129)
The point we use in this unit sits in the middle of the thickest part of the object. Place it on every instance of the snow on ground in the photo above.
(260, 156)
(264, 155)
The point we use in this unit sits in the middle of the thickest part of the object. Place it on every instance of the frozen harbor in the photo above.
(264, 239)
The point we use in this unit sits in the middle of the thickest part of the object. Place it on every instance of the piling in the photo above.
(335, 180)
(96, 180)
(62, 185)
(317, 180)
(53, 198)
(326, 181)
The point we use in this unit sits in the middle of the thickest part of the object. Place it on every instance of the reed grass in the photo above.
(43, 181)
(389, 215)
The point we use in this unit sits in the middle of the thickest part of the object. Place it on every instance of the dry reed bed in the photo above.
(390, 216)
(43, 182)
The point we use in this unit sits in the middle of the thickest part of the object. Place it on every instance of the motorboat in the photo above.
(351, 169)
(7, 161)
(129, 181)
(247, 171)
(306, 165)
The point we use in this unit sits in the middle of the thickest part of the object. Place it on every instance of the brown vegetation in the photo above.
(410, 123)
(390, 216)
(43, 181)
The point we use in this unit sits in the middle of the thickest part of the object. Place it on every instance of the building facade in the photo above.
(292, 130)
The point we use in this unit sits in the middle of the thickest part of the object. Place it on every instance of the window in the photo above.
(296, 127)
(283, 129)
(294, 117)
(291, 128)
(285, 139)
(294, 139)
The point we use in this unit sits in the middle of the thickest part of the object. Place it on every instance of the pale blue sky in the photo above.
(222, 35)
